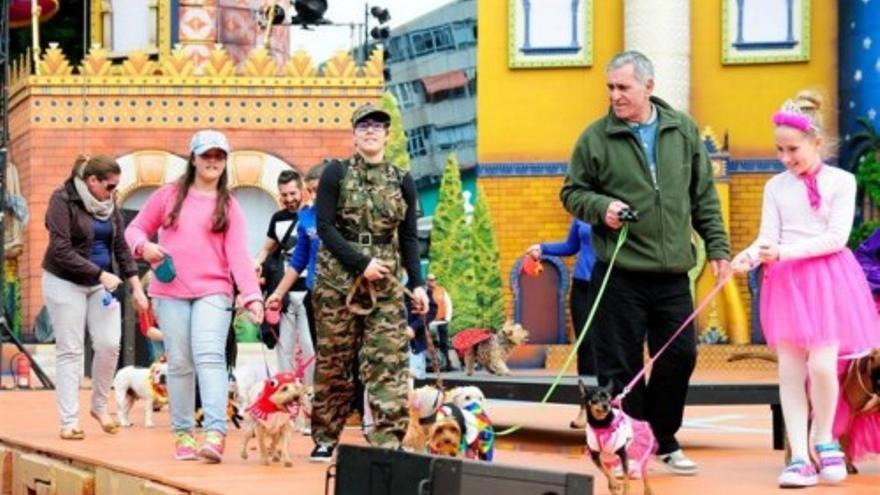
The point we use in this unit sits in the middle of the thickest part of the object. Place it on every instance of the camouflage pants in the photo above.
(380, 339)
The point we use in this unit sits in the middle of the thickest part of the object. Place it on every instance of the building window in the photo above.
(146, 23)
(456, 136)
(769, 31)
(464, 33)
(443, 38)
(417, 141)
(399, 48)
(422, 42)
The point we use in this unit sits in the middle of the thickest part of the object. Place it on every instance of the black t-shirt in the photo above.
(279, 223)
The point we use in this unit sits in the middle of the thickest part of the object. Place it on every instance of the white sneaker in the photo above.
(678, 463)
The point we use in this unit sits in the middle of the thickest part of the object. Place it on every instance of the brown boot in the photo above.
(580, 421)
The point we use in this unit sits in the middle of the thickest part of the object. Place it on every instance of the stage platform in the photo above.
(731, 445)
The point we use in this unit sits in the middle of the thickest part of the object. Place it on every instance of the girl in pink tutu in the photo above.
(815, 302)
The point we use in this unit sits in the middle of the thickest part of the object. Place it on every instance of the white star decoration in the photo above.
(872, 113)
(857, 76)
(877, 65)
(852, 104)
(866, 43)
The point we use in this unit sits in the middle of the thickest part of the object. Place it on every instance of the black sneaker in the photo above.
(322, 453)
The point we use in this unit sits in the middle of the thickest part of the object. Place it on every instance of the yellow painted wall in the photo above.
(741, 98)
(536, 114)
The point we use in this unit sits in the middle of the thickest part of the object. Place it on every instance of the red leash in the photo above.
(705, 302)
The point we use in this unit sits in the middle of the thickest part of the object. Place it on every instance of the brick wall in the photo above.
(746, 192)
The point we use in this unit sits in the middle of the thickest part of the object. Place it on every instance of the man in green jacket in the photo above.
(647, 157)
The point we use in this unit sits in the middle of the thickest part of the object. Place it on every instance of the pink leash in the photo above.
(705, 302)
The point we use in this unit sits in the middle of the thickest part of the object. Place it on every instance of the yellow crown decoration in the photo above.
(300, 65)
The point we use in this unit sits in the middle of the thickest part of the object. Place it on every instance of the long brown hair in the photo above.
(101, 166)
(220, 217)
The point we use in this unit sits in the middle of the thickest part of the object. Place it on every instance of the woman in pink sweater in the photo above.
(202, 229)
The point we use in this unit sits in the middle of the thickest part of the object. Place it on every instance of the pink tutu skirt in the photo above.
(818, 301)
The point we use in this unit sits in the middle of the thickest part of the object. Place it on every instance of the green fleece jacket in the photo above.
(609, 163)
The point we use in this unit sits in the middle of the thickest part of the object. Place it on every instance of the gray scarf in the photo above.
(102, 210)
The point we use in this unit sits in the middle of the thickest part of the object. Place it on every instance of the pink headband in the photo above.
(799, 121)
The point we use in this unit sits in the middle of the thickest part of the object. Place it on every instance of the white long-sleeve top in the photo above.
(801, 232)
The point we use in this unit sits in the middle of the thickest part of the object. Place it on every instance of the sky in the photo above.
(324, 41)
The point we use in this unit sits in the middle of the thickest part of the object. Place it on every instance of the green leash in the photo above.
(621, 239)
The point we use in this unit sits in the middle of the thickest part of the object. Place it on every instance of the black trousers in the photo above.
(640, 306)
(579, 305)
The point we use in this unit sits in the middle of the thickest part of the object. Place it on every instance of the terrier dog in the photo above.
(464, 396)
(462, 432)
(489, 349)
(149, 384)
(423, 404)
(269, 418)
(612, 435)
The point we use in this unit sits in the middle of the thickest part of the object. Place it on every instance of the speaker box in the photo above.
(372, 471)
(456, 477)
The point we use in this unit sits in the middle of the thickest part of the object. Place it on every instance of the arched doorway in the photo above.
(533, 298)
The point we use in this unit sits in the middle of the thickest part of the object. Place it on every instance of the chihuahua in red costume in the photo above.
(269, 416)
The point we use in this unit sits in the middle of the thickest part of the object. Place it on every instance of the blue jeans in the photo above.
(195, 343)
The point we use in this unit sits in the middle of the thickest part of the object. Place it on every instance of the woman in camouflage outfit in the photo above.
(366, 210)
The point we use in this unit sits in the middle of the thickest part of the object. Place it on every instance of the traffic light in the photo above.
(382, 32)
(309, 13)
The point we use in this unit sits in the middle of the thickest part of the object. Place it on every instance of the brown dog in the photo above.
(269, 417)
(488, 349)
(860, 387)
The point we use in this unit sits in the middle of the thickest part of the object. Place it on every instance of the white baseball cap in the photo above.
(208, 139)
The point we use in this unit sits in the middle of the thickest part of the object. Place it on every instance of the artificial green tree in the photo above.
(487, 266)
(395, 148)
(451, 248)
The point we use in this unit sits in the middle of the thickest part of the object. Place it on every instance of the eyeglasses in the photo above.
(109, 186)
(367, 125)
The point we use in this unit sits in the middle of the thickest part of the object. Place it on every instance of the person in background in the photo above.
(82, 266)
(577, 242)
(868, 256)
(194, 306)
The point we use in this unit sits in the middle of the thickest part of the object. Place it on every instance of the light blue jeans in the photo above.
(294, 337)
(195, 343)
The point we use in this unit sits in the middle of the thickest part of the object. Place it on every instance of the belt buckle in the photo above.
(365, 239)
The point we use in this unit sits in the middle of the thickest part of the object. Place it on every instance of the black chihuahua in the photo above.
(612, 435)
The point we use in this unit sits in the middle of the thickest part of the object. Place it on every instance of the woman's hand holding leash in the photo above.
(255, 311)
(420, 301)
(768, 253)
(152, 252)
(109, 281)
(376, 270)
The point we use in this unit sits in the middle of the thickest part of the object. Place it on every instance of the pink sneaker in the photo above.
(184, 446)
(212, 448)
(798, 474)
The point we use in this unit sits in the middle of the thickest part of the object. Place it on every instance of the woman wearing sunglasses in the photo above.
(83, 263)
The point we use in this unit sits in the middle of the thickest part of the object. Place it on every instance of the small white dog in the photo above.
(148, 384)
(462, 396)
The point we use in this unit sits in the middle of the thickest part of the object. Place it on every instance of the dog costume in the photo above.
(623, 430)
(477, 433)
